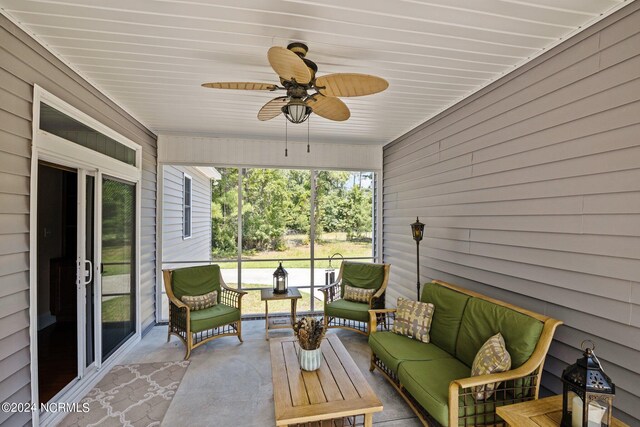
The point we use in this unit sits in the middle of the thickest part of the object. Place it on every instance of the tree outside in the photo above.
(275, 209)
(276, 222)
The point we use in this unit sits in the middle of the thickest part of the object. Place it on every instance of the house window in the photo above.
(64, 126)
(186, 207)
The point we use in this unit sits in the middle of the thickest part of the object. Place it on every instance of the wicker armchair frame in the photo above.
(180, 317)
(333, 291)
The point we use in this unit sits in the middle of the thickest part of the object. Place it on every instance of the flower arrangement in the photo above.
(309, 332)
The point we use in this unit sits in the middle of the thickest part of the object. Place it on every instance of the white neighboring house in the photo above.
(186, 217)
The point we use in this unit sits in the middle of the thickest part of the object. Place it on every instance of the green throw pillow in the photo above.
(351, 293)
(492, 357)
(200, 302)
(413, 319)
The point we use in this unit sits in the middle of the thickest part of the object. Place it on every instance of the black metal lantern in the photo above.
(587, 392)
(417, 230)
(280, 280)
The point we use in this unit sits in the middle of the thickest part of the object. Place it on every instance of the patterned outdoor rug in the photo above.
(131, 395)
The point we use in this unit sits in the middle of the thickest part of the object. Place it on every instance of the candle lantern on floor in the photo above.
(587, 392)
(330, 273)
(280, 280)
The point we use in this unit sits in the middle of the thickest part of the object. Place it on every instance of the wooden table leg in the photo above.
(294, 305)
(266, 320)
(368, 420)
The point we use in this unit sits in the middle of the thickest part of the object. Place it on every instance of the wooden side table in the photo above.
(545, 412)
(267, 295)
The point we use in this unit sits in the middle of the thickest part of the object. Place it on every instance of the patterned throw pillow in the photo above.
(492, 357)
(200, 302)
(413, 319)
(351, 293)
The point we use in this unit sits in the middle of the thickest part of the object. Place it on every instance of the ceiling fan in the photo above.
(298, 77)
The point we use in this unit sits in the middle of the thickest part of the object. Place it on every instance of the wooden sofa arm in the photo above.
(373, 316)
(179, 316)
(231, 297)
(465, 386)
(224, 286)
(533, 366)
(379, 295)
(330, 293)
(175, 301)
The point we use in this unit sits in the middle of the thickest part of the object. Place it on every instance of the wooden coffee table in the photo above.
(545, 412)
(336, 390)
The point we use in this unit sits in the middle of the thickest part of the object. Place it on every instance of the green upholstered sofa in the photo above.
(435, 377)
(340, 313)
(197, 327)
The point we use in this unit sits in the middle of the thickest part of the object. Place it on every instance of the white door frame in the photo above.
(80, 267)
(54, 149)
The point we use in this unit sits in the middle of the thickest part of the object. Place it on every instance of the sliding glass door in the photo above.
(118, 263)
(84, 240)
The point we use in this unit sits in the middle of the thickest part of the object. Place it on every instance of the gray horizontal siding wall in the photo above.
(23, 63)
(530, 191)
(198, 246)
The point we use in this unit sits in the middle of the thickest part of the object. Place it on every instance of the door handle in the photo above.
(88, 271)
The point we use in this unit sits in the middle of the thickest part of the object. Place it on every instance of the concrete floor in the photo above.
(228, 383)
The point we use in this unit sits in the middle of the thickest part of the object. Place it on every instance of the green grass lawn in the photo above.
(120, 256)
(116, 309)
(330, 244)
(251, 303)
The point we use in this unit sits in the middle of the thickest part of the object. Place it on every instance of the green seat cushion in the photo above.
(196, 280)
(483, 319)
(212, 317)
(428, 382)
(348, 310)
(447, 316)
(362, 275)
(392, 349)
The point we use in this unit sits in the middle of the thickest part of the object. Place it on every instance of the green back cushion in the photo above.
(482, 319)
(447, 316)
(196, 280)
(362, 275)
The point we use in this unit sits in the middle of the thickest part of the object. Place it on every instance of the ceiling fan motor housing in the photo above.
(296, 90)
(301, 50)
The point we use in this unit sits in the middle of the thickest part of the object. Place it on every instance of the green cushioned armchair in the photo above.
(196, 327)
(340, 313)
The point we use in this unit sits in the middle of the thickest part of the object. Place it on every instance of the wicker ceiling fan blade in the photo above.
(241, 85)
(273, 108)
(350, 84)
(288, 65)
(329, 108)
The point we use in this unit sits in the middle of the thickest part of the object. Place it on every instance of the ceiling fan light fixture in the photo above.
(296, 111)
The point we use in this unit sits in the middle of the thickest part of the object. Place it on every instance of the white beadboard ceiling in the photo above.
(150, 56)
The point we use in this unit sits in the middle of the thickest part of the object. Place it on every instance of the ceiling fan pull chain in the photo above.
(308, 125)
(286, 138)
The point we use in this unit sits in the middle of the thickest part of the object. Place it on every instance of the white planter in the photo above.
(310, 359)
